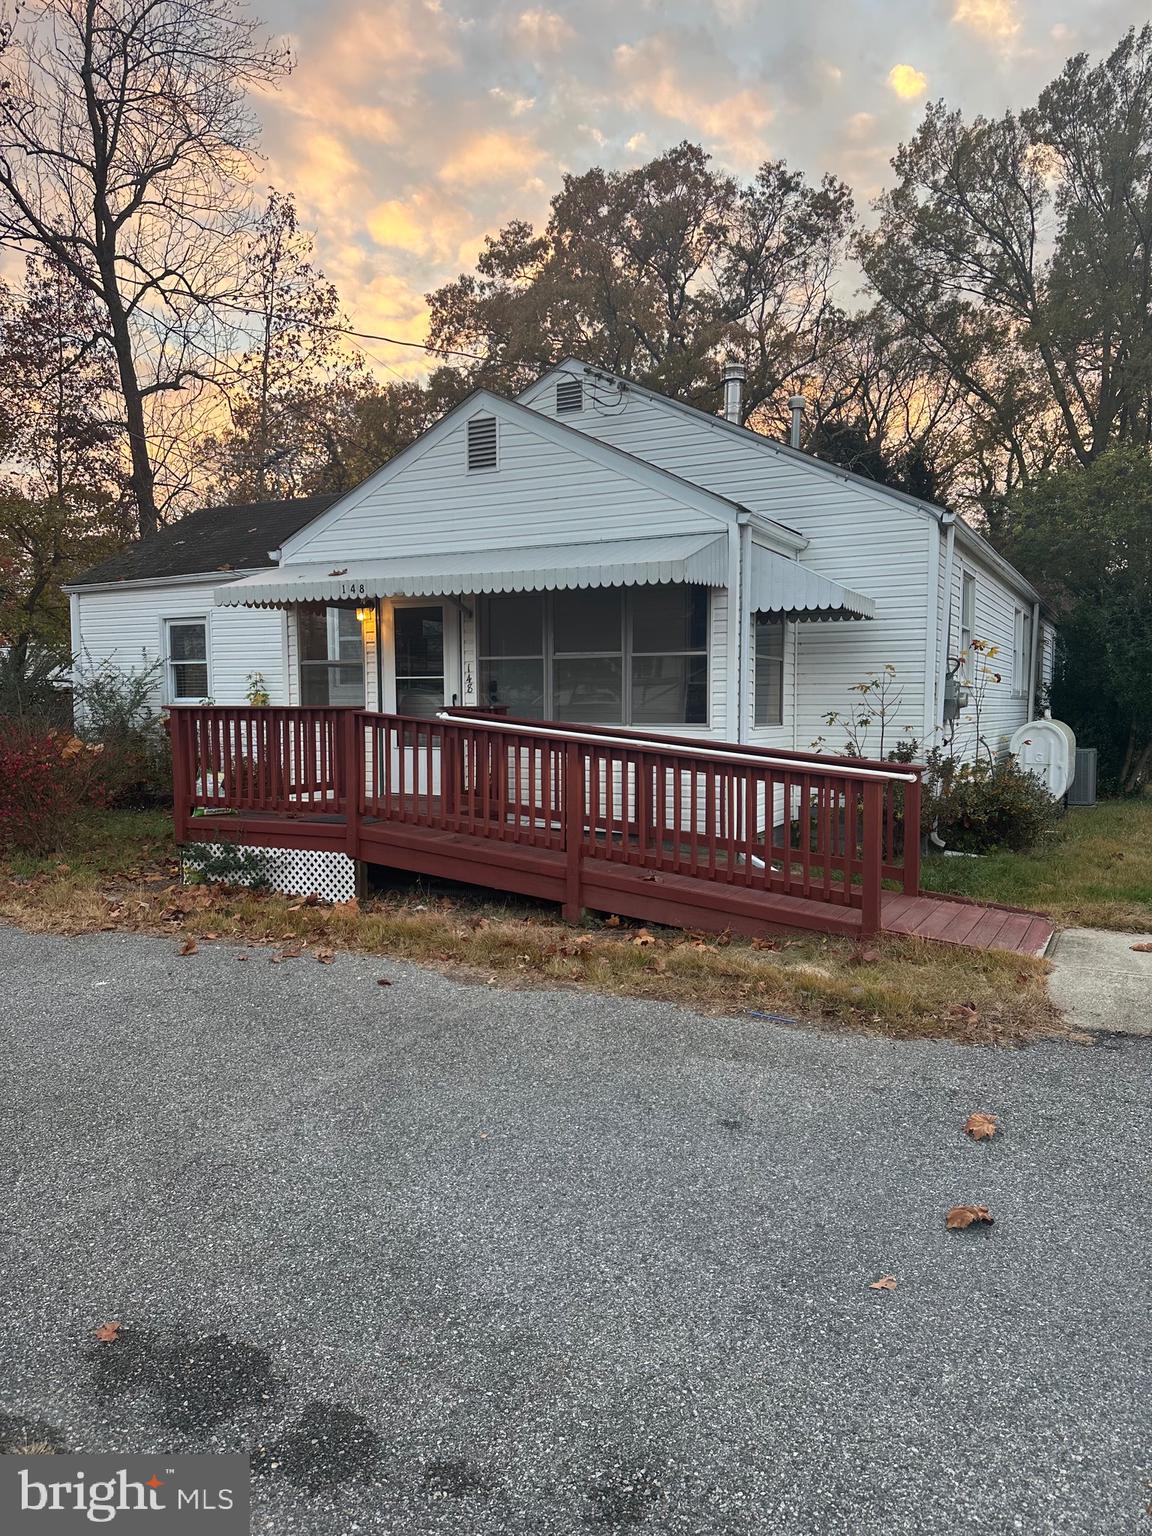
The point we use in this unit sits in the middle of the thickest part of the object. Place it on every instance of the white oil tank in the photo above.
(1047, 748)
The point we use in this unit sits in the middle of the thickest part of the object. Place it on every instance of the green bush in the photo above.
(981, 806)
(115, 709)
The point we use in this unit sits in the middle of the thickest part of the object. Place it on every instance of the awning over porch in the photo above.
(788, 590)
(777, 585)
(701, 558)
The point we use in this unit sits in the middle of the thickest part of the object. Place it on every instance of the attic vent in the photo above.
(569, 395)
(482, 442)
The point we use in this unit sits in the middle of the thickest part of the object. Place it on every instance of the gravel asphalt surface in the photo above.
(449, 1258)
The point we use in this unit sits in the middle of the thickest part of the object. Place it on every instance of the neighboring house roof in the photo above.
(210, 540)
(965, 533)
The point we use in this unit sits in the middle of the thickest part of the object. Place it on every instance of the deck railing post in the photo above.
(912, 812)
(573, 829)
(178, 739)
(350, 760)
(872, 855)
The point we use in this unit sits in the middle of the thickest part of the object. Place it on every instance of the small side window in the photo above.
(769, 674)
(482, 443)
(187, 663)
(967, 624)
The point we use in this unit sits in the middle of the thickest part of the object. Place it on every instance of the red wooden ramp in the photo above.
(963, 922)
(683, 831)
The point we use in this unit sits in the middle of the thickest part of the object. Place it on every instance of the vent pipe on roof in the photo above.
(734, 375)
(796, 406)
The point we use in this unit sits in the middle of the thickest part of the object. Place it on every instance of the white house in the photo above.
(589, 552)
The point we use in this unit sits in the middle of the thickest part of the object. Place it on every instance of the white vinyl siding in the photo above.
(864, 540)
(125, 626)
(543, 491)
(993, 619)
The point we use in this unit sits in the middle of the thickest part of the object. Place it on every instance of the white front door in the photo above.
(421, 657)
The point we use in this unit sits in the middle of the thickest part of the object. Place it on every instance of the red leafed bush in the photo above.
(45, 777)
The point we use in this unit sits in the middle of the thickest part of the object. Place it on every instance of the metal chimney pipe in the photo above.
(796, 406)
(734, 375)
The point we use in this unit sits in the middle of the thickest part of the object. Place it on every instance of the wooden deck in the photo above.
(678, 831)
(665, 898)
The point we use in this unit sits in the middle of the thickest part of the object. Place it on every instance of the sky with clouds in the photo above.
(410, 129)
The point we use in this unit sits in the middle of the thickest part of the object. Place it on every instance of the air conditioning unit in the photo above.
(1082, 790)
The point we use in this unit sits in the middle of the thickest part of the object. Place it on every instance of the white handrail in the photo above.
(646, 744)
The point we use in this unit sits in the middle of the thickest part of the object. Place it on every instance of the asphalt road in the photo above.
(448, 1258)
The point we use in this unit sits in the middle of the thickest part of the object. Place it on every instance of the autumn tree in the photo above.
(1017, 251)
(656, 273)
(126, 145)
(296, 380)
(62, 494)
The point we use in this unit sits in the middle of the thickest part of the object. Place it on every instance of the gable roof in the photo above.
(208, 541)
(629, 465)
(965, 533)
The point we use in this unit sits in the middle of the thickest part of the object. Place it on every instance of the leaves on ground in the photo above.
(189, 947)
(885, 1283)
(864, 957)
(960, 1216)
(644, 938)
(1142, 949)
(325, 956)
(108, 1333)
(981, 1126)
(612, 922)
(383, 981)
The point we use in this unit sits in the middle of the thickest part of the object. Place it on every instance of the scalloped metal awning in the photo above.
(777, 585)
(685, 557)
(786, 589)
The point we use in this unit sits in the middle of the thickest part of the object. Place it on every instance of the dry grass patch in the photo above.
(899, 987)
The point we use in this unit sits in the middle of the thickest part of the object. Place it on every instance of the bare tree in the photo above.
(126, 149)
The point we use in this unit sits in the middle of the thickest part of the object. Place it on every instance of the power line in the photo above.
(337, 330)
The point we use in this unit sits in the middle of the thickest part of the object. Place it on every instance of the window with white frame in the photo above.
(967, 624)
(602, 655)
(331, 656)
(1021, 651)
(769, 671)
(186, 650)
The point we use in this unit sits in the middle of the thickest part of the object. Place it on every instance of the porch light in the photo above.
(363, 615)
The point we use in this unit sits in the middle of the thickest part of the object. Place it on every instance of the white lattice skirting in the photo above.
(291, 871)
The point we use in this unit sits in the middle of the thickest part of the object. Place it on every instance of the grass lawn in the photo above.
(117, 871)
(1096, 873)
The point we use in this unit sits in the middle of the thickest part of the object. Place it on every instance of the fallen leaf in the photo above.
(189, 947)
(612, 922)
(765, 944)
(864, 957)
(960, 1216)
(383, 981)
(644, 937)
(885, 1283)
(980, 1127)
(108, 1333)
(325, 956)
(967, 1011)
(1142, 949)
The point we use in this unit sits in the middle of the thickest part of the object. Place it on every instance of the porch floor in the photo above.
(629, 888)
